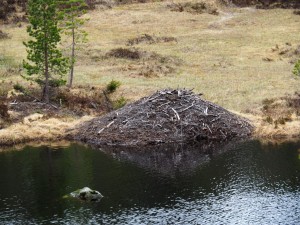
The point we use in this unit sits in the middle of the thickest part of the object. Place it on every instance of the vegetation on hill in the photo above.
(232, 57)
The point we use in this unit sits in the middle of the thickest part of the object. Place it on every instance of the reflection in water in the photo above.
(169, 159)
(247, 184)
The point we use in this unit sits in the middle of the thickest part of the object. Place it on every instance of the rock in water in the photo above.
(87, 194)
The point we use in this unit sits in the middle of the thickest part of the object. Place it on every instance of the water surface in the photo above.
(246, 183)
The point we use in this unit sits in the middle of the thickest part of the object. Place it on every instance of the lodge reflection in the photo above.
(169, 159)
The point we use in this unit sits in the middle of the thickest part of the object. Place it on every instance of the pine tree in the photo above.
(71, 10)
(46, 64)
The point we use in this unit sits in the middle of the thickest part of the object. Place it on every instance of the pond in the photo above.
(240, 183)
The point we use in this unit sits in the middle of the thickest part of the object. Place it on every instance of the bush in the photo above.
(125, 53)
(120, 102)
(19, 87)
(112, 86)
(296, 69)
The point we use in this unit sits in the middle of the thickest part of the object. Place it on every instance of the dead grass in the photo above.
(285, 52)
(266, 131)
(197, 7)
(221, 55)
(3, 35)
(149, 39)
(39, 130)
(277, 118)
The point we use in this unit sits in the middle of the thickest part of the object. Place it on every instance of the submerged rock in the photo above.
(87, 194)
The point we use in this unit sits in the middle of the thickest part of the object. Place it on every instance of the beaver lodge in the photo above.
(168, 116)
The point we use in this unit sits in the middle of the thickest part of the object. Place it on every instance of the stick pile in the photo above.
(168, 116)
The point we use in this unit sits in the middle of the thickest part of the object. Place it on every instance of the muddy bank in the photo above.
(167, 116)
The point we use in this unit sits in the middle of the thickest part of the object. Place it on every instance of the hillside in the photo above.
(236, 57)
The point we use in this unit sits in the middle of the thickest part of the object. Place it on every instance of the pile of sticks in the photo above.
(168, 116)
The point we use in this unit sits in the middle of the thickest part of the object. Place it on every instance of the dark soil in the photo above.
(268, 4)
(168, 116)
(297, 12)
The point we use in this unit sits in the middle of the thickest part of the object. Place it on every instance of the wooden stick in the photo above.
(107, 126)
(178, 118)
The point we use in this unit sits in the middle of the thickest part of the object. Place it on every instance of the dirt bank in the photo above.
(167, 116)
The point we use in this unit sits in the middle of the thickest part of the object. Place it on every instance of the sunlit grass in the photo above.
(221, 55)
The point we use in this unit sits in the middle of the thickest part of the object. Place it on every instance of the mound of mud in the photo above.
(168, 116)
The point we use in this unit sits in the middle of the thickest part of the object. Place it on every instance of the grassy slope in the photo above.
(222, 55)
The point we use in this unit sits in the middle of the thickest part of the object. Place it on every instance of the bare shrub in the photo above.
(3, 35)
(287, 51)
(125, 53)
(155, 70)
(3, 109)
(148, 39)
(83, 101)
(194, 7)
(278, 111)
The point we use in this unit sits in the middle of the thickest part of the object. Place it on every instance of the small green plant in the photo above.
(119, 103)
(269, 119)
(112, 86)
(296, 69)
(19, 87)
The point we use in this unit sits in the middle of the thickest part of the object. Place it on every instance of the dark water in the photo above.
(247, 183)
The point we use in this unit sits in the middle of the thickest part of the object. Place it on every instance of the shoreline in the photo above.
(56, 130)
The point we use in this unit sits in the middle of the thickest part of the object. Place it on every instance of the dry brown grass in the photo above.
(39, 130)
(222, 56)
(277, 119)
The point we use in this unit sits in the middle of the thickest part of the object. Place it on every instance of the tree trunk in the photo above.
(71, 75)
(45, 96)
